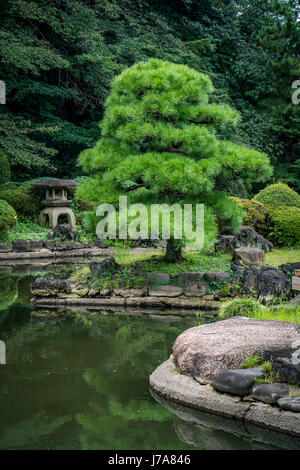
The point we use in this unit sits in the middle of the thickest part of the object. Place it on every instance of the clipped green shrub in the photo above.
(277, 195)
(256, 214)
(4, 168)
(20, 199)
(8, 217)
(286, 229)
(239, 308)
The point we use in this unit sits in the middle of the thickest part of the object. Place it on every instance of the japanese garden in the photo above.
(150, 225)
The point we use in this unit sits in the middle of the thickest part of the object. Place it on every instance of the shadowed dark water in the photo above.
(80, 381)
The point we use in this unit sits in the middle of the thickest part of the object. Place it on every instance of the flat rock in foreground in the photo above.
(208, 350)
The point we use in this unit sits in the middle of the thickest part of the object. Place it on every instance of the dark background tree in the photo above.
(58, 60)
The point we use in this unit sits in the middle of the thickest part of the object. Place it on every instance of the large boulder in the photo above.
(249, 256)
(267, 282)
(290, 267)
(43, 287)
(206, 351)
(99, 268)
(247, 236)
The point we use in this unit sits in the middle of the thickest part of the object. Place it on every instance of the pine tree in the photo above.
(160, 144)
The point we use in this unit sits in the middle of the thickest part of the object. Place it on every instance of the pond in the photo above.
(79, 380)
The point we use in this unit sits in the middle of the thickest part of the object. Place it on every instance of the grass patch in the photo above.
(27, 231)
(194, 261)
(282, 256)
(290, 314)
(253, 361)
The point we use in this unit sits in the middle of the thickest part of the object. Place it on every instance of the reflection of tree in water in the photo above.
(124, 415)
(8, 292)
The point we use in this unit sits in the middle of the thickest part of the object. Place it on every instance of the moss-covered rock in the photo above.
(277, 195)
(8, 217)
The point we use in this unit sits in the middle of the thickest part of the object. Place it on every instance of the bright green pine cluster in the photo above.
(160, 142)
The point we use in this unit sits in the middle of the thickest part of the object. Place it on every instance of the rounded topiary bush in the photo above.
(8, 217)
(20, 199)
(4, 168)
(277, 195)
(239, 308)
(286, 229)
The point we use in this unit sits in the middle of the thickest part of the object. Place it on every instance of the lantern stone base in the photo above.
(52, 214)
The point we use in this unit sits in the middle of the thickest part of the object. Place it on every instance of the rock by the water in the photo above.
(98, 268)
(36, 245)
(290, 404)
(197, 289)
(5, 249)
(20, 245)
(206, 351)
(165, 291)
(216, 277)
(43, 287)
(237, 381)
(184, 279)
(270, 393)
(249, 256)
(286, 370)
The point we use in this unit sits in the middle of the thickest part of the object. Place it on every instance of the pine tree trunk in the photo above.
(173, 251)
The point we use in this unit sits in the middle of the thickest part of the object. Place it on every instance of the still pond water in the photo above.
(80, 381)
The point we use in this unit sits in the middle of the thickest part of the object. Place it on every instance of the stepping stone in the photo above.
(270, 393)
(196, 290)
(290, 404)
(36, 245)
(216, 277)
(5, 249)
(237, 381)
(165, 291)
(184, 279)
(158, 278)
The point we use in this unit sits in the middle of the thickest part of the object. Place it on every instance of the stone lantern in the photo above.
(56, 202)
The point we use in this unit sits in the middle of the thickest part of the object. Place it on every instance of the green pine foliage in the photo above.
(160, 142)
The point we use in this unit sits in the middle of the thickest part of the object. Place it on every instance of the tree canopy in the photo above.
(58, 60)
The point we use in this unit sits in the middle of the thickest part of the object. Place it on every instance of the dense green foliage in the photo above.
(8, 217)
(21, 200)
(277, 195)
(286, 225)
(4, 168)
(256, 215)
(58, 60)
